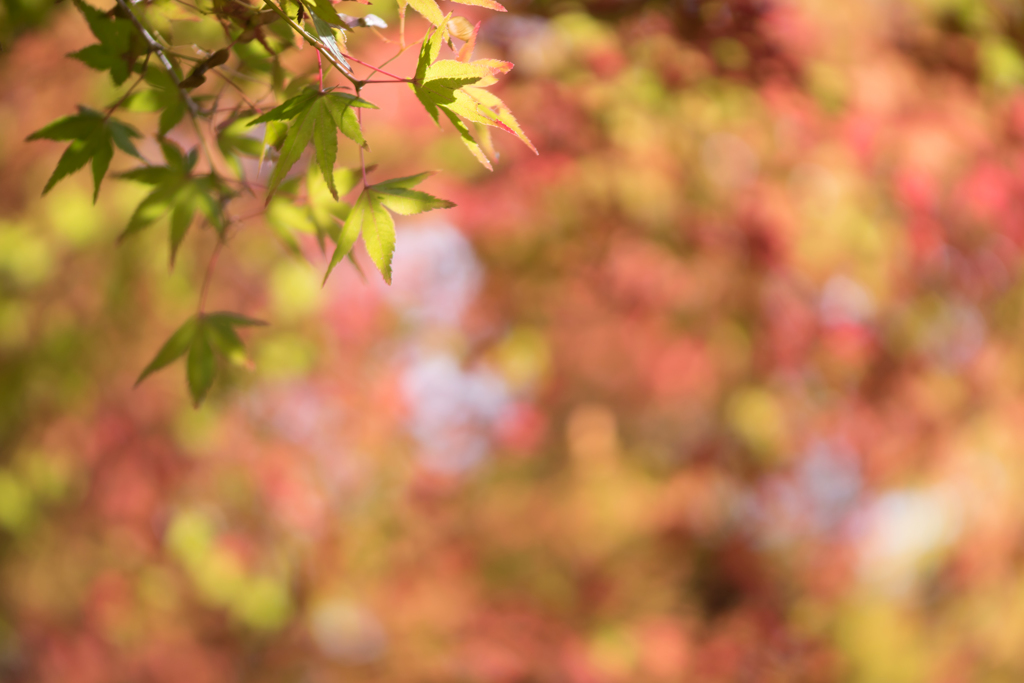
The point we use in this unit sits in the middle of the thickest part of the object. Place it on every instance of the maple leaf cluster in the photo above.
(195, 185)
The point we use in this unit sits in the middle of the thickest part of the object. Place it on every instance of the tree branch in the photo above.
(317, 45)
(161, 55)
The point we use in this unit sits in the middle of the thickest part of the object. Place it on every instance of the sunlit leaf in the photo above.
(489, 4)
(377, 227)
(428, 9)
(346, 240)
(409, 202)
(371, 218)
(316, 118)
(456, 87)
(325, 10)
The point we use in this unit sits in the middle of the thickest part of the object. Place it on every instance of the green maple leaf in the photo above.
(119, 47)
(234, 140)
(205, 338)
(371, 218)
(93, 137)
(316, 117)
(178, 192)
(457, 88)
(164, 97)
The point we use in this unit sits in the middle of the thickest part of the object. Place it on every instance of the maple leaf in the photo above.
(317, 116)
(163, 96)
(204, 337)
(456, 87)
(371, 218)
(431, 11)
(234, 141)
(178, 192)
(93, 137)
(119, 47)
(325, 10)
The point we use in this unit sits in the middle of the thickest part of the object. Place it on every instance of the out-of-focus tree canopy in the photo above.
(724, 385)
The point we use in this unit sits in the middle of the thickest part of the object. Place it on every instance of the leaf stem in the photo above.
(191, 7)
(124, 97)
(209, 274)
(320, 66)
(244, 183)
(359, 118)
(241, 93)
(202, 142)
(248, 217)
(380, 71)
(187, 58)
(399, 53)
(161, 55)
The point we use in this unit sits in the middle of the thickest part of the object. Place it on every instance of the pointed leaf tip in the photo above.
(173, 349)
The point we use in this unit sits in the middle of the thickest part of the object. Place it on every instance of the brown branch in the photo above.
(161, 55)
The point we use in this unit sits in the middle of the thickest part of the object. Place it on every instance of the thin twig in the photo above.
(202, 142)
(380, 35)
(239, 89)
(404, 80)
(378, 70)
(244, 183)
(399, 53)
(187, 58)
(359, 118)
(159, 50)
(209, 274)
(124, 97)
(191, 6)
(248, 217)
(238, 74)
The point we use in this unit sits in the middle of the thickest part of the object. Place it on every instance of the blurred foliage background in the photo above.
(725, 385)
